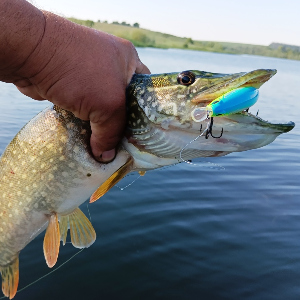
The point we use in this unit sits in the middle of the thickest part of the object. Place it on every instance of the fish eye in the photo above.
(186, 78)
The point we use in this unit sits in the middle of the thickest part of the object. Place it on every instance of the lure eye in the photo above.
(215, 101)
(199, 114)
(186, 78)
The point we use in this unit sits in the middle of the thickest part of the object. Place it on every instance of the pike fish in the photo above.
(48, 171)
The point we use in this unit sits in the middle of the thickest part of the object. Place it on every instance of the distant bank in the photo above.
(146, 38)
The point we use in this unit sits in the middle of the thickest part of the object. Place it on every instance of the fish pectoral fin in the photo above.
(82, 231)
(142, 173)
(10, 278)
(112, 180)
(51, 241)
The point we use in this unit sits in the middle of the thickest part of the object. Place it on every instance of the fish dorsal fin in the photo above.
(51, 241)
(82, 231)
(10, 278)
(112, 180)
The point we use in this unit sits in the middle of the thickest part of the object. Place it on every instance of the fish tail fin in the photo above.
(82, 231)
(112, 180)
(51, 241)
(10, 278)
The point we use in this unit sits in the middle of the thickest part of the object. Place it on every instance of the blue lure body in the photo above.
(233, 102)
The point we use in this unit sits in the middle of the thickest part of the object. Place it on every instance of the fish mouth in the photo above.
(228, 82)
(237, 132)
(254, 124)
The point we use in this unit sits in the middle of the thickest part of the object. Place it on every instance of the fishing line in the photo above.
(214, 166)
(87, 206)
(131, 174)
(126, 186)
(195, 139)
(54, 270)
(128, 175)
(181, 158)
(32, 283)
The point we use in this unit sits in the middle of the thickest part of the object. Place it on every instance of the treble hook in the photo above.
(209, 130)
(200, 128)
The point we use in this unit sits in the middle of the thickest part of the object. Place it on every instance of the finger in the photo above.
(106, 136)
(142, 69)
(30, 91)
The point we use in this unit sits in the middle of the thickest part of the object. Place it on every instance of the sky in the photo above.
(258, 22)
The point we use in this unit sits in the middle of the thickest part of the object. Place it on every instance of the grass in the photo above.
(146, 38)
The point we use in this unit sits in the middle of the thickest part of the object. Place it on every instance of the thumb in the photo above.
(30, 91)
(142, 69)
(106, 135)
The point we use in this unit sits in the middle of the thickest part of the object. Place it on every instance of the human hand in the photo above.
(86, 72)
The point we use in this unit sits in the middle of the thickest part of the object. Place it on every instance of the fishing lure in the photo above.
(231, 102)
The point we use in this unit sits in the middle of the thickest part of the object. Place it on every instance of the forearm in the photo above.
(36, 47)
(22, 27)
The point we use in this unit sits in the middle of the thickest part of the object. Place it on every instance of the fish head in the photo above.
(161, 113)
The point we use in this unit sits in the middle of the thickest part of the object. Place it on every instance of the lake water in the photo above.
(227, 228)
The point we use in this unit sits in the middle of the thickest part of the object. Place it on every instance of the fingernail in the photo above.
(108, 156)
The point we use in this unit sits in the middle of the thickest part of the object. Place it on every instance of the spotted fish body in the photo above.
(48, 170)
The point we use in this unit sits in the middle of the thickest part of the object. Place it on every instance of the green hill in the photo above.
(146, 38)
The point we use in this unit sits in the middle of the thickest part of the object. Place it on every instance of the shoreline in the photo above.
(146, 38)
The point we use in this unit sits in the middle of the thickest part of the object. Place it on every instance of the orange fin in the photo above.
(82, 231)
(142, 173)
(51, 241)
(10, 278)
(112, 180)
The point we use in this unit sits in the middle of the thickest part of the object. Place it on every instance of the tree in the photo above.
(189, 41)
(141, 39)
(89, 23)
(137, 25)
(125, 24)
